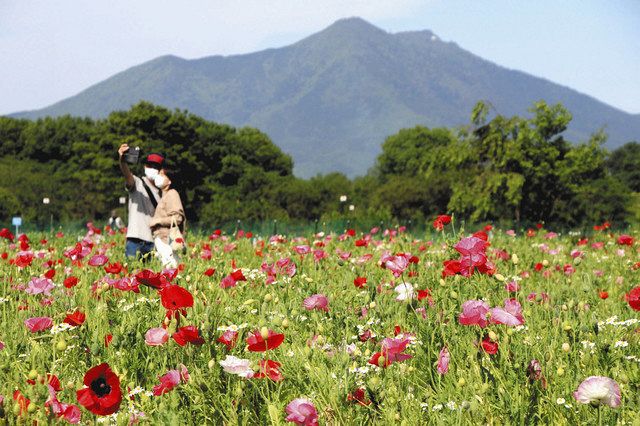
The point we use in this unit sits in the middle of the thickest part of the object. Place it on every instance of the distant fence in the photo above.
(421, 229)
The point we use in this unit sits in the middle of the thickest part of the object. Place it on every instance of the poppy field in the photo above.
(379, 326)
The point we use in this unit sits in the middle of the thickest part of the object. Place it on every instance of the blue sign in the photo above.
(16, 221)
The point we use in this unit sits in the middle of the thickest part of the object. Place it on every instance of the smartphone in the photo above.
(132, 156)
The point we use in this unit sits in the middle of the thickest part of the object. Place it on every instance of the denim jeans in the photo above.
(138, 248)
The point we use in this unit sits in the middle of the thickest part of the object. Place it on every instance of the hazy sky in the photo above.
(52, 49)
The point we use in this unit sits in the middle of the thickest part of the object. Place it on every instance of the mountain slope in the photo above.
(331, 99)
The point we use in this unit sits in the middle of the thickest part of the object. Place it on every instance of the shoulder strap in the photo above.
(152, 197)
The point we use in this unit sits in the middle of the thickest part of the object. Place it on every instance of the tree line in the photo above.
(508, 169)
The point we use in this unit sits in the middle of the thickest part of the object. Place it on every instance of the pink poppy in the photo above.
(69, 412)
(171, 380)
(317, 301)
(397, 265)
(511, 314)
(470, 246)
(156, 336)
(512, 287)
(40, 286)
(392, 351)
(474, 312)
(98, 260)
(37, 324)
(302, 412)
(302, 250)
(443, 360)
(598, 390)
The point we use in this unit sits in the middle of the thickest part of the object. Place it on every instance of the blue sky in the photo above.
(50, 50)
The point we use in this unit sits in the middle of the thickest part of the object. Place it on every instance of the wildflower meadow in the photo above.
(375, 326)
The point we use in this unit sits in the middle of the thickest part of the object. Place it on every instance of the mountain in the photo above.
(330, 99)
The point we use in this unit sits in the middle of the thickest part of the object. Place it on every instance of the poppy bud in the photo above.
(61, 345)
(560, 371)
(268, 297)
(461, 382)
(499, 277)
(372, 305)
(285, 323)
(492, 335)
(545, 262)
(33, 374)
(264, 332)
(566, 347)
(381, 361)
(514, 259)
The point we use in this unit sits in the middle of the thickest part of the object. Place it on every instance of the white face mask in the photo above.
(159, 181)
(150, 173)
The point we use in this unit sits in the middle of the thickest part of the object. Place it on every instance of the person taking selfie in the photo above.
(143, 199)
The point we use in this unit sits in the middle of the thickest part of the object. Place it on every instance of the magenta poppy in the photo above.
(98, 260)
(317, 301)
(474, 312)
(37, 324)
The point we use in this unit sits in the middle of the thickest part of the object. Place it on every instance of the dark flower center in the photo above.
(100, 387)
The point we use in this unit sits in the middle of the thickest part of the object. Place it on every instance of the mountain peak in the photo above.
(353, 25)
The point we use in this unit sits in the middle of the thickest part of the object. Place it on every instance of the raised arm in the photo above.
(124, 167)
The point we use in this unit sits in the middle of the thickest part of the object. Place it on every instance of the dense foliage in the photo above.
(510, 169)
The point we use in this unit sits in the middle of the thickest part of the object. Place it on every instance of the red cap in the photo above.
(155, 158)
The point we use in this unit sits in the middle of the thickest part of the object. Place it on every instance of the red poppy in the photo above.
(228, 338)
(75, 319)
(360, 282)
(603, 295)
(633, 298)
(5, 233)
(362, 243)
(359, 396)
(113, 268)
(188, 334)
(625, 240)
(150, 278)
(237, 275)
(489, 346)
(107, 340)
(269, 369)
(50, 274)
(175, 299)
(440, 221)
(209, 272)
(451, 268)
(258, 343)
(24, 259)
(22, 401)
(102, 394)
